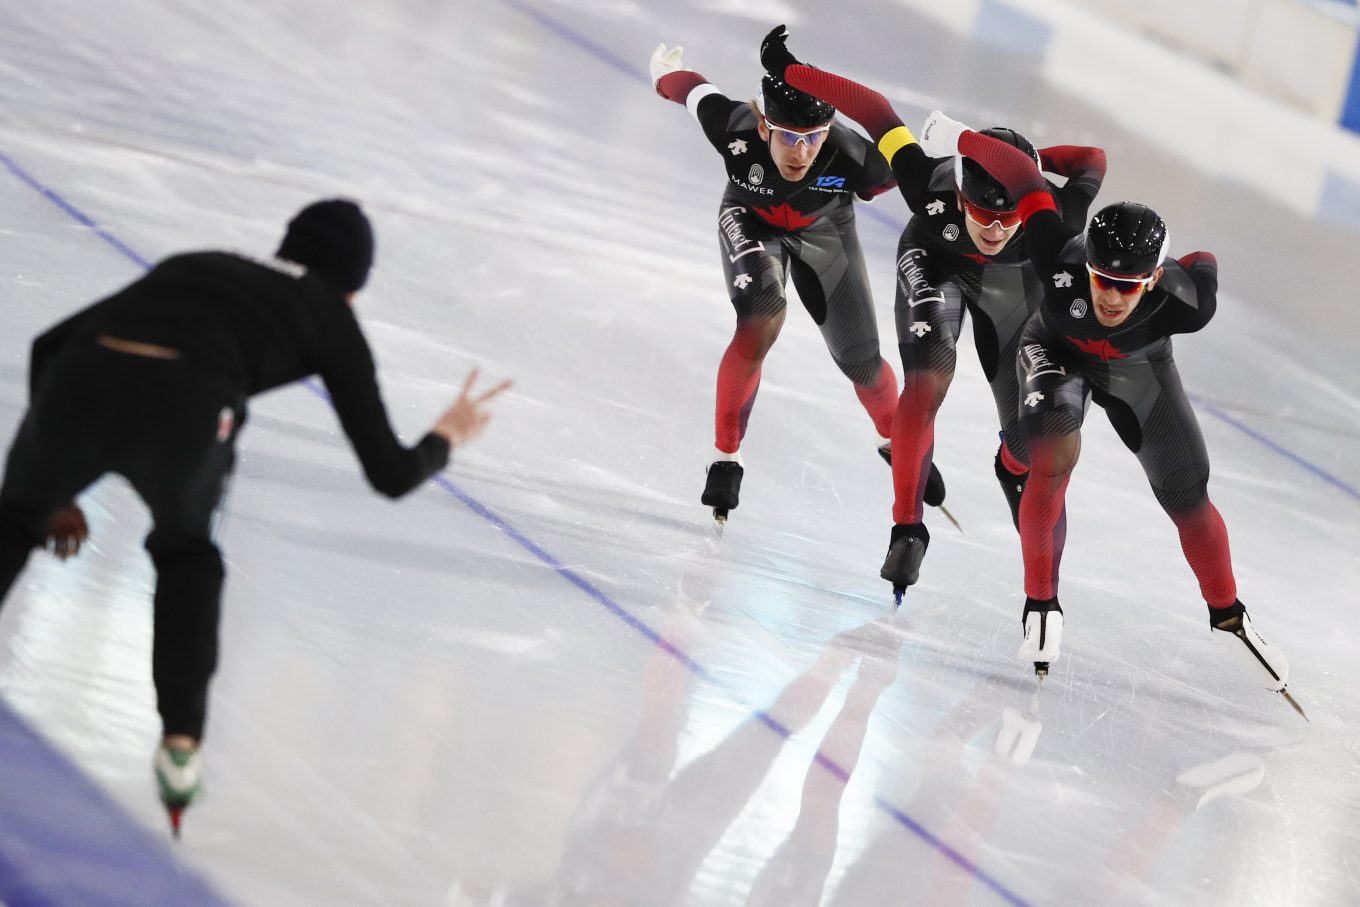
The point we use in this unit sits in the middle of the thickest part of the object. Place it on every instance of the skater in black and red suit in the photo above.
(788, 210)
(152, 383)
(963, 250)
(1112, 300)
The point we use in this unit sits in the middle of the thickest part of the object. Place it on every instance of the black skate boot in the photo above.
(1043, 623)
(906, 550)
(722, 488)
(1012, 486)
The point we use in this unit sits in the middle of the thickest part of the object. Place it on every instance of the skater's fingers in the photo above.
(469, 380)
(494, 391)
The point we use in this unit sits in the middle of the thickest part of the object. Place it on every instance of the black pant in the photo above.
(160, 424)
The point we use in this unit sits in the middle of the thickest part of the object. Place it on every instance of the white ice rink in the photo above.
(540, 681)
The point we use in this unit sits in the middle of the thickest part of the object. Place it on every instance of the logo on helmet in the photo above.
(757, 175)
(951, 232)
(1078, 308)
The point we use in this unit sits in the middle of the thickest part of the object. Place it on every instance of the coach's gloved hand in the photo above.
(940, 135)
(66, 531)
(665, 61)
(774, 54)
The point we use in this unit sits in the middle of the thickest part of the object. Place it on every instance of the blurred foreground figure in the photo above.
(152, 382)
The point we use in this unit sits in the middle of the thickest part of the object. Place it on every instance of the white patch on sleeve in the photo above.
(697, 94)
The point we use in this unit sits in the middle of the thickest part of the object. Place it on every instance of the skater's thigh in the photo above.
(753, 263)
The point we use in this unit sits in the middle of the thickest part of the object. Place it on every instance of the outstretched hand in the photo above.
(665, 61)
(67, 531)
(468, 415)
(774, 53)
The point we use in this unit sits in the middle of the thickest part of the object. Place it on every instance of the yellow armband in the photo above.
(894, 140)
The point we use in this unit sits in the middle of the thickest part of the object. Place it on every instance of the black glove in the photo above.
(774, 55)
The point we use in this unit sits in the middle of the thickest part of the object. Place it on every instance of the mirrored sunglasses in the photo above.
(1125, 286)
(791, 137)
(1006, 220)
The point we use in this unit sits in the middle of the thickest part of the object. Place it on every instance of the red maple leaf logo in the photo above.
(786, 217)
(1102, 347)
(976, 256)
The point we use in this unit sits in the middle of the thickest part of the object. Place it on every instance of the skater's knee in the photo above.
(1054, 457)
(755, 336)
(926, 389)
(1185, 490)
(862, 367)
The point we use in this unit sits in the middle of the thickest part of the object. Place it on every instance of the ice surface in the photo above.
(542, 681)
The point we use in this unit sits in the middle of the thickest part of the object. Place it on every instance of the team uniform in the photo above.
(1112, 302)
(941, 274)
(1068, 360)
(771, 229)
(152, 383)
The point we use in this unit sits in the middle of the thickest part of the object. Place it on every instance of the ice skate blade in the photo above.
(1041, 670)
(719, 521)
(1298, 708)
(898, 592)
(945, 510)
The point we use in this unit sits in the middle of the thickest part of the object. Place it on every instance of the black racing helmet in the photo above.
(1127, 240)
(784, 105)
(978, 186)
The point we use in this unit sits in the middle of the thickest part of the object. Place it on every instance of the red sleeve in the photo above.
(676, 86)
(863, 105)
(1009, 165)
(1074, 161)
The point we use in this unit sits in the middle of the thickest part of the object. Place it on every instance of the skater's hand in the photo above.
(940, 135)
(66, 531)
(775, 55)
(468, 415)
(664, 62)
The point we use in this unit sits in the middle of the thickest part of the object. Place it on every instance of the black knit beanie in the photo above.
(333, 240)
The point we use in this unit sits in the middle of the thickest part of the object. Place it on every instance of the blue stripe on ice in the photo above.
(63, 843)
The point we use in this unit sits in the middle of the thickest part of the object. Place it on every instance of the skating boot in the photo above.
(1233, 626)
(906, 550)
(723, 487)
(1012, 486)
(178, 773)
(1043, 623)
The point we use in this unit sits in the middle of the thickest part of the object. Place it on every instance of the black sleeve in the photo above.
(714, 114)
(1045, 236)
(351, 379)
(913, 169)
(1192, 297)
(1084, 168)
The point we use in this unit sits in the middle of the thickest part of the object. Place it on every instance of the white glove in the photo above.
(665, 61)
(940, 135)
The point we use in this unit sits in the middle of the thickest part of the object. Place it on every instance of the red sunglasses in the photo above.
(1007, 220)
(1125, 286)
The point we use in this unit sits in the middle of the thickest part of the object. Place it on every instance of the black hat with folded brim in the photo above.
(333, 240)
